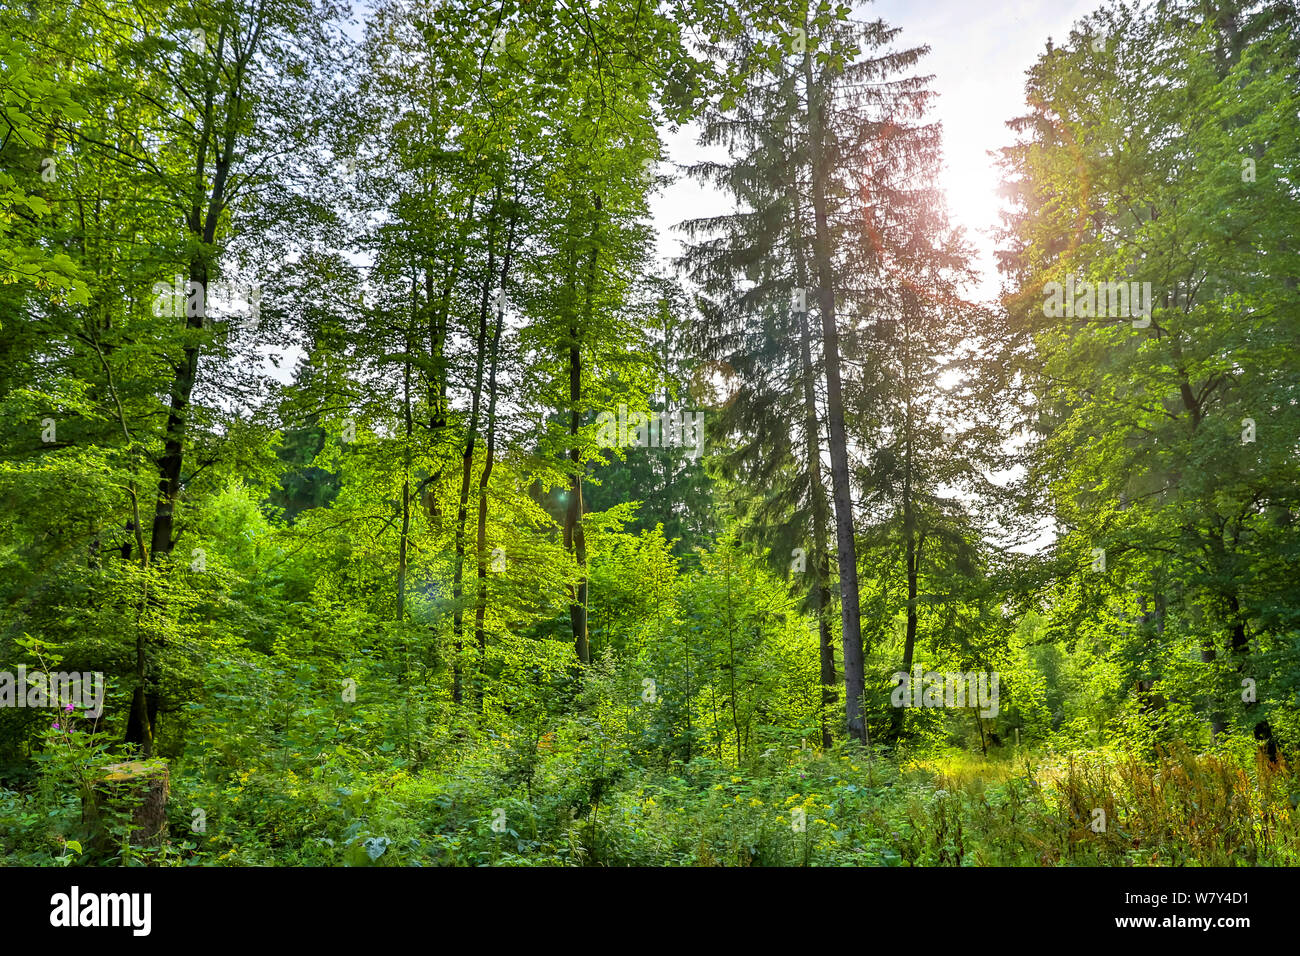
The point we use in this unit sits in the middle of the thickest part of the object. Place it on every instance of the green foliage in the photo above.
(358, 566)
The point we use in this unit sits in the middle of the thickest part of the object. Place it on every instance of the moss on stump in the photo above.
(136, 790)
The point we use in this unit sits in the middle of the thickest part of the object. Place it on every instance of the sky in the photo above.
(979, 52)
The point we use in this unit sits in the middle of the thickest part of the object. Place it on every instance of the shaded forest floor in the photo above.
(540, 800)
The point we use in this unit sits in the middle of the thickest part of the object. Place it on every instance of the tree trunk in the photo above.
(909, 642)
(203, 218)
(574, 540)
(913, 552)
(854, 674)
(821, 592)
(138, 789)
(437, 381)
(467, 466)
(406, 484)
(480, 610)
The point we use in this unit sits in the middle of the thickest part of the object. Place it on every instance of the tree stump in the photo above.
(136, 788)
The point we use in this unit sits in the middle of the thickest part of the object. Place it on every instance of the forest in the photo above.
(374, 492)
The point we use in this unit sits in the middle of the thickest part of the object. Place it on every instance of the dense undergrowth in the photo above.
(577, 796)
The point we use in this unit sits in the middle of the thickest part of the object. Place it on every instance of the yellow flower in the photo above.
(755, 802)
(735, 780)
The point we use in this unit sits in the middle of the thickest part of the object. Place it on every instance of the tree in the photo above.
(1164, 421)
(823, 136)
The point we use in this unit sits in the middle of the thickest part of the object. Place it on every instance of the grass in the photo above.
(800, 808)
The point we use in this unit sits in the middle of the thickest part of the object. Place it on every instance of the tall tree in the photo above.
(847, 124)
(1165, 416)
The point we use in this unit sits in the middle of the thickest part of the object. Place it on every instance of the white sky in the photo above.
(979, 52)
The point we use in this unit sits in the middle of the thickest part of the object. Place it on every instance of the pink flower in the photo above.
(70, 707)
(56, 726)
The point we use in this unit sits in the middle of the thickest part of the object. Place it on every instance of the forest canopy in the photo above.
(369, 478)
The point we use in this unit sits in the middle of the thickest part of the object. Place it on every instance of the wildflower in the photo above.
(56, 726)
(70, 707)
